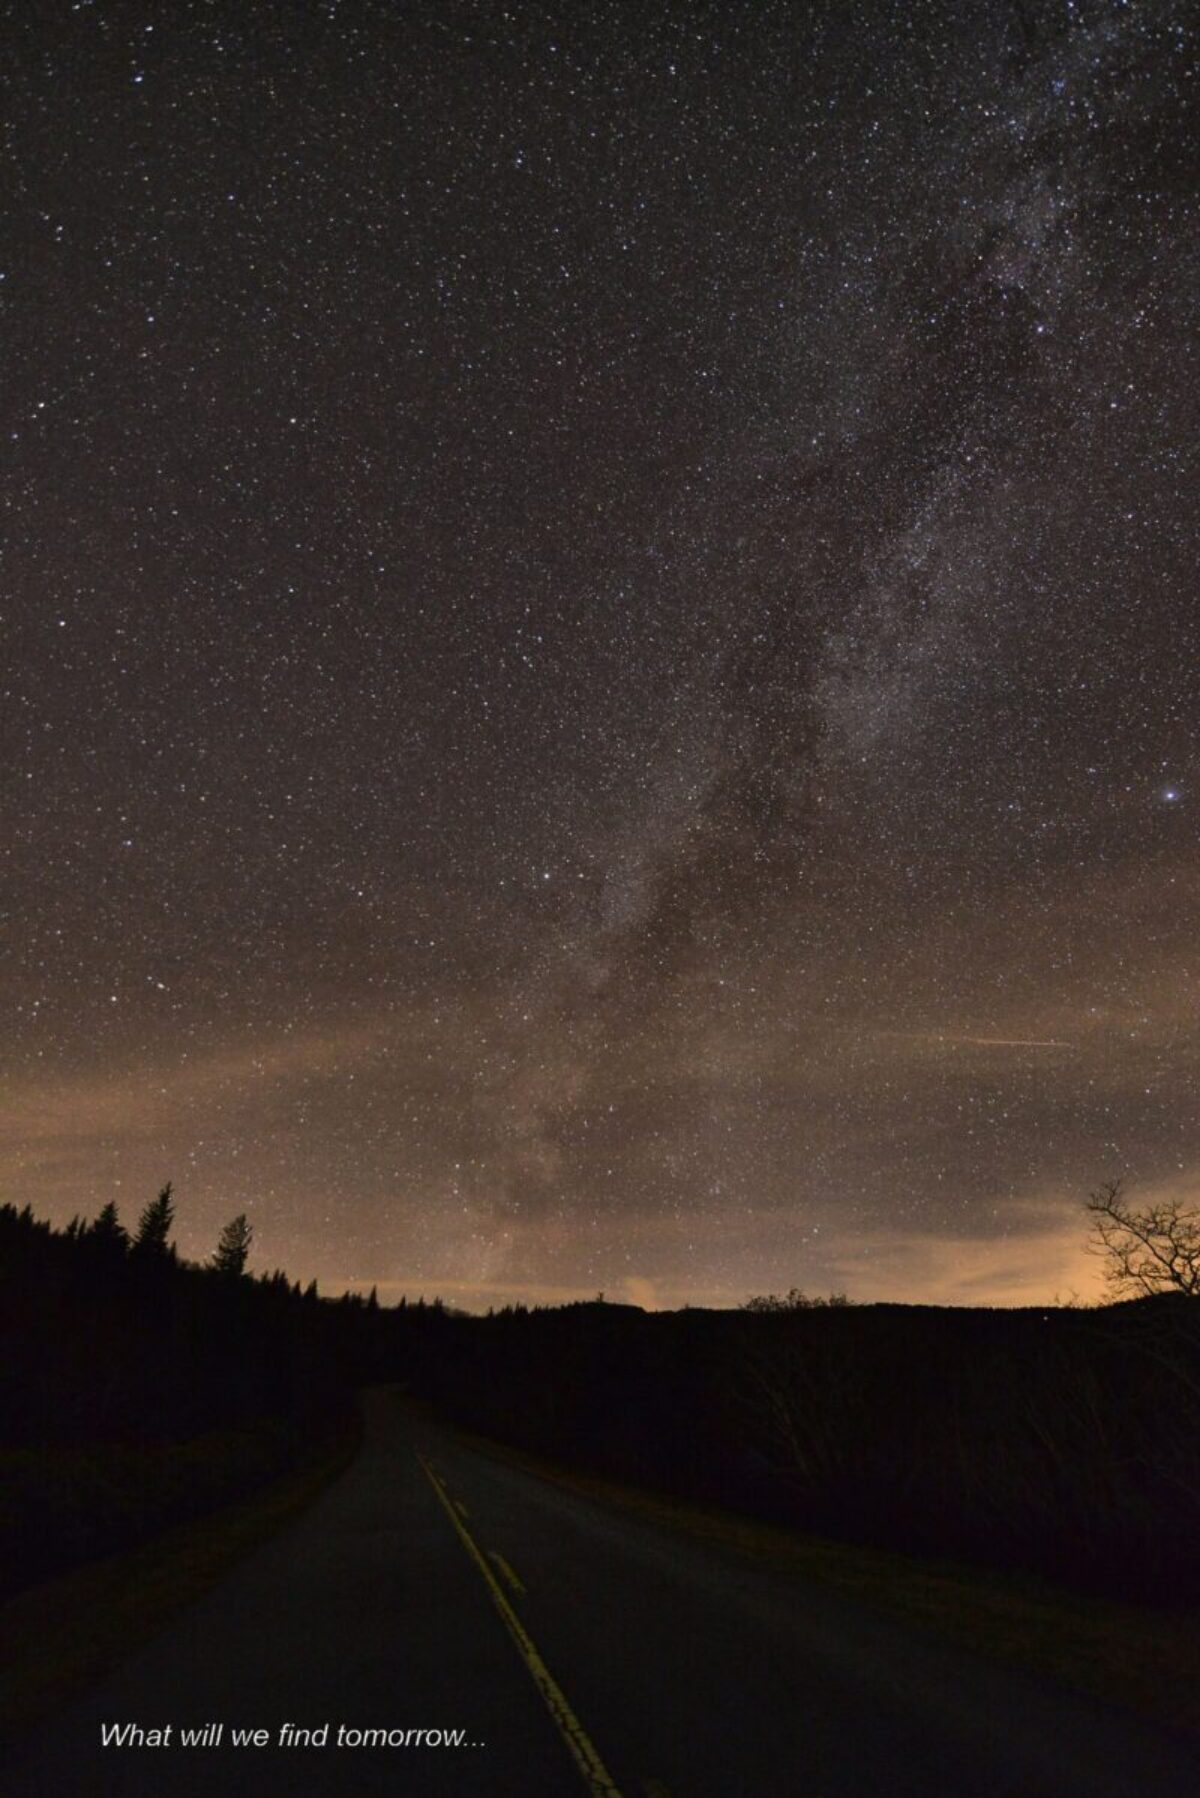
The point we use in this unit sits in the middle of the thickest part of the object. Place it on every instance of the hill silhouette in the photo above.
(141, 1390)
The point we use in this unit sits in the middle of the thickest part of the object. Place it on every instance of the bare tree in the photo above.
(1155, 1249)
(795, 1300)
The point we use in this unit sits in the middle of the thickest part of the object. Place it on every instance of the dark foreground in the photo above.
(595, 1653)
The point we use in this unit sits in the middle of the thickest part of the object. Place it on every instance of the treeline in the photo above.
(1063, 1442)
(139, 1390)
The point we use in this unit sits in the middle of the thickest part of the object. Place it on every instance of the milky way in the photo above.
(602, 684)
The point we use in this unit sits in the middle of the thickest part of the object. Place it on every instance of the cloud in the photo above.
(1041, 1255)
(145, 1100)
(641, 1291)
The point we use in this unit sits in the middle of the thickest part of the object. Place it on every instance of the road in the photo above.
(580, 1650)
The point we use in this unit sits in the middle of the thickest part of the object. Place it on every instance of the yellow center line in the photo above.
(595, 1774)
(506, 1570)
(461, 1508)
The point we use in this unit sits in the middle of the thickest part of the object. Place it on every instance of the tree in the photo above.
(154, 1225)
(233, 1246)
(1155, 1249)
(108, 1229)
(795, 1300)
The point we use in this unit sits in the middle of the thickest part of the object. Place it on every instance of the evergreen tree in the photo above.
(233, 1246)
(154, 1225)
(108, 1228)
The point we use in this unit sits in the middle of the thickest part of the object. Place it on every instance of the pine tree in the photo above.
(108, 1228)
(154, 1225)
(233, 1246)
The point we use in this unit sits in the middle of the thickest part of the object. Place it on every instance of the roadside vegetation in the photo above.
(1064, 1442)
(140, 1392)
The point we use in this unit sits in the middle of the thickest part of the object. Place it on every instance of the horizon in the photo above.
(636, 1294)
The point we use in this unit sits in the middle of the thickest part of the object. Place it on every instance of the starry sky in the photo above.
(601, 684)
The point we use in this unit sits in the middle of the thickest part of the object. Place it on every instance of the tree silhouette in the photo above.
(233, 1246)
(795, 1300)
(1156, 1249)
(154, 1225)
(108, 1229)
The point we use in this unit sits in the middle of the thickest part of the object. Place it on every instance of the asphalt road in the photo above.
(579, 1649)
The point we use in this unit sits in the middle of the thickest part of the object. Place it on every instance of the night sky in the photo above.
(601, 679)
